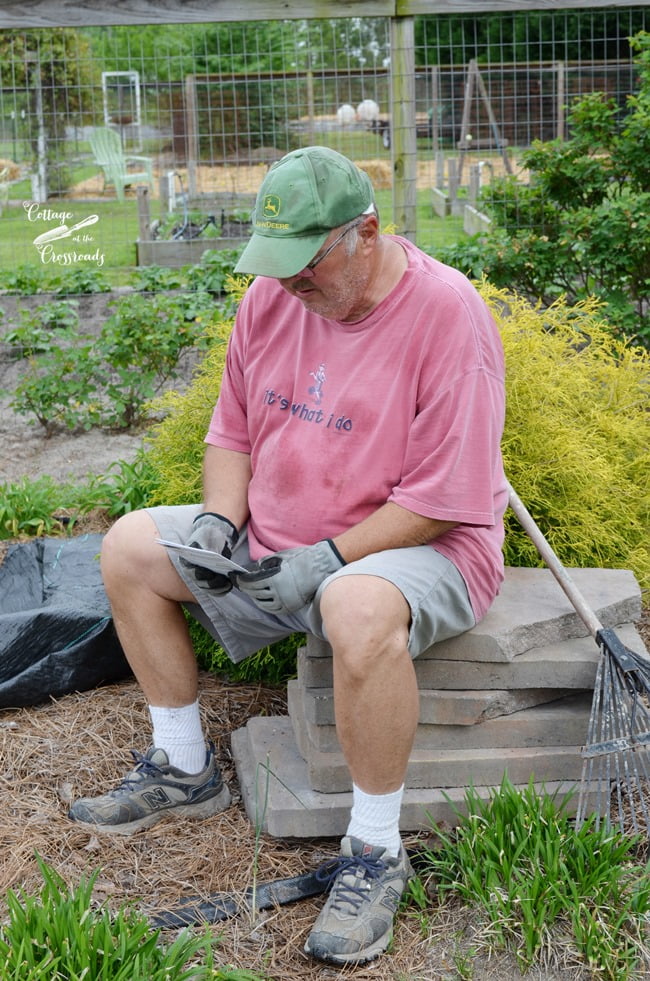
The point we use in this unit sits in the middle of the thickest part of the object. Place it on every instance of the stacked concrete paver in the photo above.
(512, 696)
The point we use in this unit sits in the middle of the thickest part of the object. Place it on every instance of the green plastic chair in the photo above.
(109, 154)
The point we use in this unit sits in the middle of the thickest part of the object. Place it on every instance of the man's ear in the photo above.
(369, 231)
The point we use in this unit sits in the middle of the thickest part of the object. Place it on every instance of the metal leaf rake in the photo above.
(616, 764)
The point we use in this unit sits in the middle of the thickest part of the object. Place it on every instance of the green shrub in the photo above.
(77, 381)
(140, 343)
(34, 334)
(577, 434)
(176, 447)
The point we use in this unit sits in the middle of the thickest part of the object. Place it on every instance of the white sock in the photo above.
(375, 819)
(180, 733)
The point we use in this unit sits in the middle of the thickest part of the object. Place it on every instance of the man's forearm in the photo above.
(391, 526)
(226, 476)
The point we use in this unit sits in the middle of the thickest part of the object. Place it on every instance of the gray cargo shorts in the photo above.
(431, 584)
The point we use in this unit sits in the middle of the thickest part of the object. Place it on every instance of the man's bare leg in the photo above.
(376, 706)
(177, 775)
(145, 593)
(376, 695)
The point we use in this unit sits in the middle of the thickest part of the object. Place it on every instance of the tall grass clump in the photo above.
(59, 933)
(533, 879)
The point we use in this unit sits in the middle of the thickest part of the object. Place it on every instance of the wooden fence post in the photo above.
(403, 134)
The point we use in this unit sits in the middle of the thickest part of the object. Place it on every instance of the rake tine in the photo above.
(616, 768)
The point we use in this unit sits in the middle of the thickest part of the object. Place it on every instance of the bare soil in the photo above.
(25, 450)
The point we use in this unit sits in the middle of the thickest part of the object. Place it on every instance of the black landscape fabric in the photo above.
(56, 630)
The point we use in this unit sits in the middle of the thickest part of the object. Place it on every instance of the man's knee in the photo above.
(127, 543)
(364, 613)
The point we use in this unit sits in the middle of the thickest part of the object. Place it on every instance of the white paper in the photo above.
(203, 557)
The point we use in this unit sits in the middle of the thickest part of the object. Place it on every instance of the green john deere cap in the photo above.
(304, 195)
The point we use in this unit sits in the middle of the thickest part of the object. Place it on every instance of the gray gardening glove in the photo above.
(217, 534)
(286, 581)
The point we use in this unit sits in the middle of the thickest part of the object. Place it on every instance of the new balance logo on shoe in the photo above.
(156, 798)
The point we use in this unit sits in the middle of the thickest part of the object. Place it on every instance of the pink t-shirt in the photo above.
(406, 405)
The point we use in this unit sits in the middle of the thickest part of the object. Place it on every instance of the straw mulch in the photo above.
(78, 745)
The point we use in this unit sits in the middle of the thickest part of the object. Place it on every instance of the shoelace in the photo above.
(335, 872)
(144, 767)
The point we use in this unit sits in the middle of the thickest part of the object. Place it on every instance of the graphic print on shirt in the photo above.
(319, 380)
(303, 410)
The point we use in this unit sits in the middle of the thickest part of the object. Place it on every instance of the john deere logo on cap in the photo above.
(271, 208)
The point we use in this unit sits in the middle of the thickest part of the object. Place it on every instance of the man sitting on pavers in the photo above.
(353, 466)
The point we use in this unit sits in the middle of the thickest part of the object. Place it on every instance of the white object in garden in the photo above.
(345, 114)
(368, 111)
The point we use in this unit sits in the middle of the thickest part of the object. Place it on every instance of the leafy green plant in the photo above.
(140, 344)
(26, 279)
(152, 279)
(82, 279)
(126, 486)
(212, 272)
(198, 305)
(173, 226)
(60, 934)
(34, 335)
(519, 861)
(79, 381)
(59, 389)
(28, 507)
(45, 506)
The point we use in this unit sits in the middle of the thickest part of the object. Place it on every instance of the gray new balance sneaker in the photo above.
(356, 922)
(150, 791)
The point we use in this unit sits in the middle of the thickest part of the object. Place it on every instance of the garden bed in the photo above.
(181, 252)
(25, 450)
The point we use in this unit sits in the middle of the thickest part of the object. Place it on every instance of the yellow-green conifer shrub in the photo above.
(176, 447)
(576, 442)
(577, 434)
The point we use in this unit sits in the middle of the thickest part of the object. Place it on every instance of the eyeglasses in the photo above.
(308, 271)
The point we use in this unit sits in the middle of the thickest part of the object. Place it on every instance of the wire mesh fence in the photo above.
(205, 109)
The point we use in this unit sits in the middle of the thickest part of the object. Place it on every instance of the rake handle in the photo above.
(527, 522)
